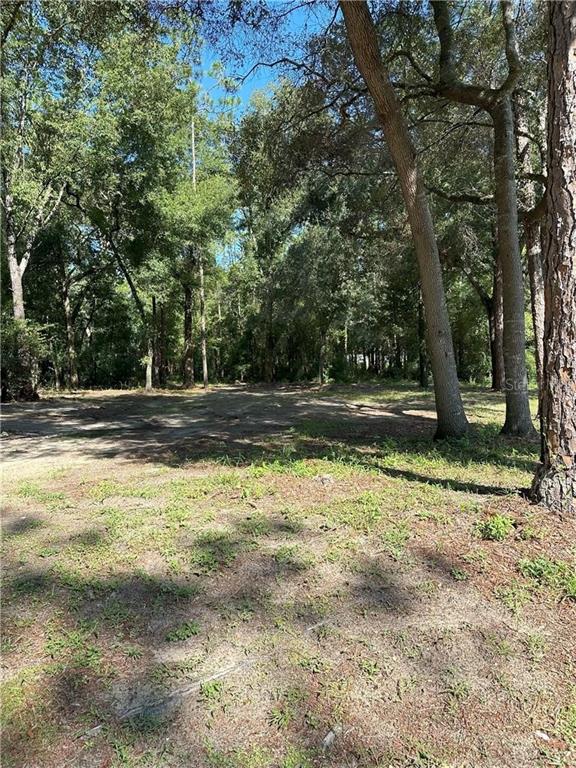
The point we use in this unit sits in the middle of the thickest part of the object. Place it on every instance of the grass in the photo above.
(333, 578)
(183, 632)
(557, 575)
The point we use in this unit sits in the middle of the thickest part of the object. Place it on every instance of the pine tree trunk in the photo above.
(162, 350)
(321, 353)
(518, 419)
(149, 358)
(364, 43)
(269, 344)
(203, 323)
(555, 481)
(188, 356)
(536, 275)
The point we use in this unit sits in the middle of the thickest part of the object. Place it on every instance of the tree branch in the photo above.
(464, 197)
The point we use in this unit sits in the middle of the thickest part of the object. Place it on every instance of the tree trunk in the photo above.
(155, 352)
(422, 359)
(188, 357)
(321, 353)
(269, 344)
(162, 350)
(70, 343)
(532, 242)
(518, 419)
(555, 481)
(364, 43)
(496, 329)
(203, 323)
(149, 357)
(15, 281)
(535, 272)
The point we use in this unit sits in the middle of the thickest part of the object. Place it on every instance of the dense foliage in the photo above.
(290, 208)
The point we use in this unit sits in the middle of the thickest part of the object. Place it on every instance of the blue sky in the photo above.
(299, 24)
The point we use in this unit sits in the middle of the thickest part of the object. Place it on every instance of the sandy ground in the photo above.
(167, 427)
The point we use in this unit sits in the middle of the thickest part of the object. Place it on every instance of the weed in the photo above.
(457, 688)
(369, 668)
(211, 693)
(280, 716)
(312, 664)
(256, 525)
(477, 557)
(183, 632)
(566, 723)
(502, 646)
(132, 651)
(395, 536)
(515, 596)
(296, 758)
(428, 587)
(555, 574)
(72, 647)
(33, 491)
(535, 646)
(284, 712)
(292, 558)
(362, 513)
(495, 528)
(213, 550)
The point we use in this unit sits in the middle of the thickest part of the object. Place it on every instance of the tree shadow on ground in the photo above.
(243, 425)
(150, 697)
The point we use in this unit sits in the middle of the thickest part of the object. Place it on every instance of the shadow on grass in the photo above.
(102, 618)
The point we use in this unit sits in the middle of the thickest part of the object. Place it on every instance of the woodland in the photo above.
(288, 307)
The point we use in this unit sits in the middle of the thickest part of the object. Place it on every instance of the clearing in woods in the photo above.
(285, 577)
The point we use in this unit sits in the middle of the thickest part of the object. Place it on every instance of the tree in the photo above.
(555, 481)
(364, 43)
(498, 103)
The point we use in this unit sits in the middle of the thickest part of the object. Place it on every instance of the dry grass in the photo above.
(281, 578)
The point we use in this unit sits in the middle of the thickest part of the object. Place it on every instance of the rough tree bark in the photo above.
(555, 481)
(497, 102)
(363, 40)
(188, 356)
(536, 276)
(422, 357)
(531, 217)
(141, 311)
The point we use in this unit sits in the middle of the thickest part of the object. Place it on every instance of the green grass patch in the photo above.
(554, 574)
(362, 513)
(30, 490)
(183, 632)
